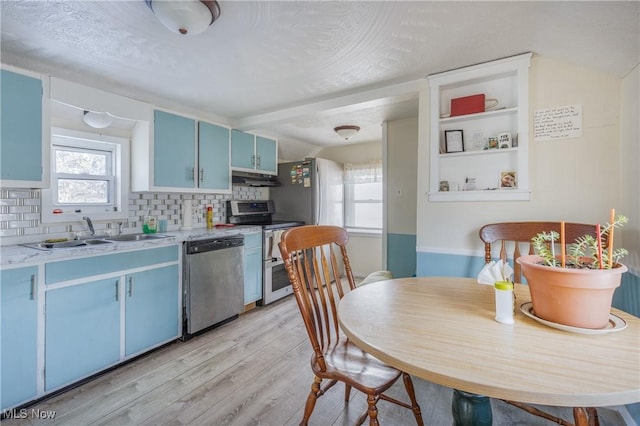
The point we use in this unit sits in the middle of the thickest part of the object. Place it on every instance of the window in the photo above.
(363, 197)
(87, 177)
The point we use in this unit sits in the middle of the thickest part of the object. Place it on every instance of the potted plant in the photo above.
(575, 288)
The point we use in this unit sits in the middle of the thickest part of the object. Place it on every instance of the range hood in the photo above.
(253, 179)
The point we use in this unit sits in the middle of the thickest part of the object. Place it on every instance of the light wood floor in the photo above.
(253, 370)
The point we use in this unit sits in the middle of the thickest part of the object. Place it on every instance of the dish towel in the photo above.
(275, 249)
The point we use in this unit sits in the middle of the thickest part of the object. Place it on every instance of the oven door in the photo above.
(276, 283)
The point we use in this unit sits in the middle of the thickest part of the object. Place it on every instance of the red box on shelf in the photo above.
(467, 105)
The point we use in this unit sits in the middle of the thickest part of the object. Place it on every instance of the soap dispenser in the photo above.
(150, 225)
(209, 217)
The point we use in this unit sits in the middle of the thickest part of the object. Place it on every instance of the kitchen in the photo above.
(404, 231)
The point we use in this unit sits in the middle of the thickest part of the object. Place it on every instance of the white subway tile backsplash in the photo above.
(20, 211)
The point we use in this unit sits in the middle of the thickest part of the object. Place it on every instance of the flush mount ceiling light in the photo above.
(186, 17)
(98, 120)
(347, 132)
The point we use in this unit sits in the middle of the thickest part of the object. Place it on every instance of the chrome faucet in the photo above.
(90, 225)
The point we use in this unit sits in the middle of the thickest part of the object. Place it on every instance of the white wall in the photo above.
(629, 170)
(402, 163)
(572, 179)
(365, 251)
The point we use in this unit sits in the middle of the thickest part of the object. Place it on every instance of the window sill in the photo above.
(364, 233)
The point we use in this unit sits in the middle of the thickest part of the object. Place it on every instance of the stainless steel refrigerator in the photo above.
(310, 191)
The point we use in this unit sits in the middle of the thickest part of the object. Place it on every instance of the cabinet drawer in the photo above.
(56, 272)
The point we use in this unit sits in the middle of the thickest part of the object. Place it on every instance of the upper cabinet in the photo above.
(213, 157)
(174, 151)
(181, 153)
(24, 138)
(253, 153)
(479, 149)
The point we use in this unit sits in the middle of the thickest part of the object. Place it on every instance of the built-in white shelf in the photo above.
(507, 81)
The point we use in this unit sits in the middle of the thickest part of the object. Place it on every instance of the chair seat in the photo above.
(346, 362)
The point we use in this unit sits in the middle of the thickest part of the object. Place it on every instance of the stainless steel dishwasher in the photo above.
(213, 282)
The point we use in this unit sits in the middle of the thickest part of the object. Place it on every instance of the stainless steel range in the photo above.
(275, 281)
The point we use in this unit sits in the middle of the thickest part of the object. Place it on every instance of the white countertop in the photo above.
(14, 255)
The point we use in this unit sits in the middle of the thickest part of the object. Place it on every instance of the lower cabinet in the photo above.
(252, 267)
(18, 335)
(101, 310)
(82, 331)
(151, 308)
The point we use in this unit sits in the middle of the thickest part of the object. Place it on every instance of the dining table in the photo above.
(443, 330)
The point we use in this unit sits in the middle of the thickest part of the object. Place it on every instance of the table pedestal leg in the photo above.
(470, 409)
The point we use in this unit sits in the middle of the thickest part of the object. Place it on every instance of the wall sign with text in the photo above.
(558, 123)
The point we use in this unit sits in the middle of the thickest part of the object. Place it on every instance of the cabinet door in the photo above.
(242, 150)
(20, 127)
(252, 275)
(82, 330)
(267, 154)
(213, 157)
(18, 369)
(151, 308)
(252, 267)
(174, 150)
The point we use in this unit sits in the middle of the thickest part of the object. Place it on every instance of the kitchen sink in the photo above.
(136, 237)
(92, 241)
(67, 244)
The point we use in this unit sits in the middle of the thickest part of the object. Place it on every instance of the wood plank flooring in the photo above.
(251, 371)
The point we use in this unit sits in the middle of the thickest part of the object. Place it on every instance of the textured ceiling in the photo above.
(295, 70)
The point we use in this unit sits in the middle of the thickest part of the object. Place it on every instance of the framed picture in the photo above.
(508, 179)
(453, 141)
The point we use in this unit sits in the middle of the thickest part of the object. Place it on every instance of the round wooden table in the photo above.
(443, 330)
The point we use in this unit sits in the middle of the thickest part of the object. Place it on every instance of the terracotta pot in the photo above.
(574, 297)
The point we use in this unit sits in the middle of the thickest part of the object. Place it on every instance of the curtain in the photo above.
(363, 173)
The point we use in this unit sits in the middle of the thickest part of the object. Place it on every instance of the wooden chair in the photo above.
(514, 234)
(311, 257)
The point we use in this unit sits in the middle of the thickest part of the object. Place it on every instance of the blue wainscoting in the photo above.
(626, 297)
(401, 255)
(448, 265)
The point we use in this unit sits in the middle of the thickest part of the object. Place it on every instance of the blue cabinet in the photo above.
(86, 298)
(174, 150)
(213, 157)
(242, 150)
(184, 160)
(253, 153)
(18, 366)
(151, 308)
(82, 331)
(21, 138)
(252, 267)
(267, 154)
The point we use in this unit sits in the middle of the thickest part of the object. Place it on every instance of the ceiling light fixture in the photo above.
(98, 120)
(347, 132)
(186, 17)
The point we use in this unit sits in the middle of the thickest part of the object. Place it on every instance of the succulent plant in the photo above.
(585, 253)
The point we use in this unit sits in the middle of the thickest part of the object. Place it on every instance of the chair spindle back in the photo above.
(313, 256)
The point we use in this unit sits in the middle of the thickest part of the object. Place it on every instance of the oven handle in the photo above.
(270, 263)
